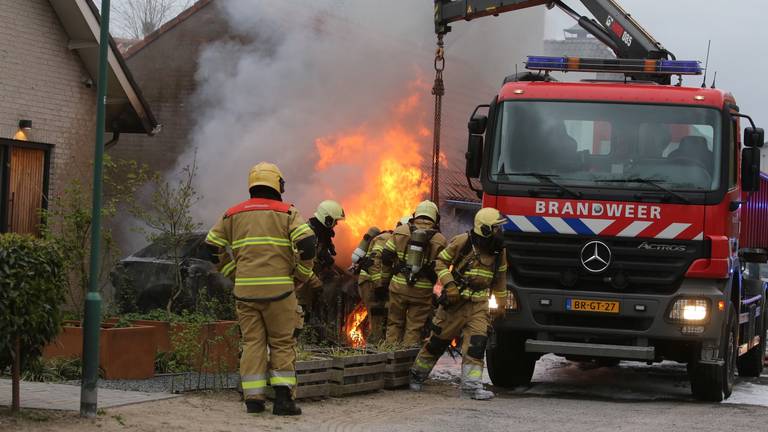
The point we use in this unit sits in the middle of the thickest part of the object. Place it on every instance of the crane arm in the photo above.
(611, 24)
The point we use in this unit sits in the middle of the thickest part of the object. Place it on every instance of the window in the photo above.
(594, 144)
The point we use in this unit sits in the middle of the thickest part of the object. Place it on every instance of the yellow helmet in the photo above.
(486, 220)
(329, 212)
(427, 209)
(266, 174)
(403, 220)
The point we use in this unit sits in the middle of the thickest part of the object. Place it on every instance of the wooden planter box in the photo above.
(357, 373)
(398, 366)
(124, 353)
(313, 377)
(219, 342)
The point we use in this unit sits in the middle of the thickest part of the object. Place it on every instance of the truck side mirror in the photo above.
(474, 156)
(754, 137)
(477, 124)
(750, 169)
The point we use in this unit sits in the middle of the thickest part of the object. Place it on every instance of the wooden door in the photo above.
(25, 192)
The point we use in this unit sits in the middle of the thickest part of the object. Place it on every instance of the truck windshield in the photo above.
(608, 145)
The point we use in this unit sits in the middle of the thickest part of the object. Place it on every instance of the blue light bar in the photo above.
(627, 66)
(547, 63)
(686, 67)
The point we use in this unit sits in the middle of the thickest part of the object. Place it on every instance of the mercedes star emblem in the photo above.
(596, 257)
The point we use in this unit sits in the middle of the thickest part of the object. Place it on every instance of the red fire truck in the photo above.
(637, 221)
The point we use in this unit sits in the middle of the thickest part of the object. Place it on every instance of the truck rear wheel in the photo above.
(715, 382)
(508, 363)
(751, 363)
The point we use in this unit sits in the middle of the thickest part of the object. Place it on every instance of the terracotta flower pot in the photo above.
(124, 353)
(161, 331)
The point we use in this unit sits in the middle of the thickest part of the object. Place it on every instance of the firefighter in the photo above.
(409, 256)
(270, 245)
(327, 215)
(373, 294)
(472, 265)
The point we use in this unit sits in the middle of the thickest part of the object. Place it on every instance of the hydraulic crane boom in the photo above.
(612, 25)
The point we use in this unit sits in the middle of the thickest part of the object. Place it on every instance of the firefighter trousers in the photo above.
(269, 346)
(406, 319)
(471, 320)
(377, 312)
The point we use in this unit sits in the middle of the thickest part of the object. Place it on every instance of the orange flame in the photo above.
(389, 160)
(353, 328)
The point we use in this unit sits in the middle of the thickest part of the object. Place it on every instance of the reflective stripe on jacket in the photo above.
(263, 236)
(476, 267)
(397, 244)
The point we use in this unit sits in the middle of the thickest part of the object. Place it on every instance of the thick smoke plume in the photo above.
(301, 77)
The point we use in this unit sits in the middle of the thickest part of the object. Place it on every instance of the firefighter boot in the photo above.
(417, 381)
(284, 404)
(472, 384)
(254, 406)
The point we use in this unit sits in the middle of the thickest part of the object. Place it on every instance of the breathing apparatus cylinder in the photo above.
(362, 247)
(414, 255)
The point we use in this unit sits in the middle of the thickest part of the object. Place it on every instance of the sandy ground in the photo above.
(565, 396)
(437, 409)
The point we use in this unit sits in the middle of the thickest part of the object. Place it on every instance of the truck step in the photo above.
(590, 350)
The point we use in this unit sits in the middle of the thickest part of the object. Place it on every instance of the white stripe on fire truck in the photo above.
(523, 223)
(634, 229)
(673, 230)
(597, 225)
(560, 225)
(700, 236)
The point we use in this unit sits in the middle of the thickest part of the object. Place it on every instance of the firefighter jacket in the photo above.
(270, 243)
(375, 271)
(396, 248)
(474, 271)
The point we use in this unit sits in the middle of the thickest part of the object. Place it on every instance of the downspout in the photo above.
(115, 138)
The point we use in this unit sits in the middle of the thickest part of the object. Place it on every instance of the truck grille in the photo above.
(593, 321)
(554, 262)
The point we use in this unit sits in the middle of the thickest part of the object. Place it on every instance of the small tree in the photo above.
(168, 220)
(31, 292)
(68, 224)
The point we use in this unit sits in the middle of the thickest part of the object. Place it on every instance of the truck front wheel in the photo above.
(508, 363)
(715, 382)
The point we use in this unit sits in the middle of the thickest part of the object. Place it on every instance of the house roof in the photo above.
(455, 190)
(183, 16)
(127, 110)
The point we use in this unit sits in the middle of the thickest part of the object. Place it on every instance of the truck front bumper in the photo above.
(641, 330)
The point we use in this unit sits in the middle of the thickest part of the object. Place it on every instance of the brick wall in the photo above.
(41, 80)
(168, 86)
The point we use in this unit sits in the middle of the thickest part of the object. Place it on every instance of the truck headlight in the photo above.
(690, 310)
(492, 303)
(511, 302)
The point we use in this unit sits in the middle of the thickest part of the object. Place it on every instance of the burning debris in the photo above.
(354, 327)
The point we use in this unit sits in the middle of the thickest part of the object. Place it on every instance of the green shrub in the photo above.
(31, 293)
(32, 289)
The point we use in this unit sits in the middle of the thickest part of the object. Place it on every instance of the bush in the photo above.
(32, 290)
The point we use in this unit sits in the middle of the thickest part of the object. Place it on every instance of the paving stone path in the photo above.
(67, 397)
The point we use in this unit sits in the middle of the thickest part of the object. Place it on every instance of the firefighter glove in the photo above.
(315, 283)
(452, 294)
(497, 313)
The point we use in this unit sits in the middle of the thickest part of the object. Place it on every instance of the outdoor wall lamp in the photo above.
(24, 127)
